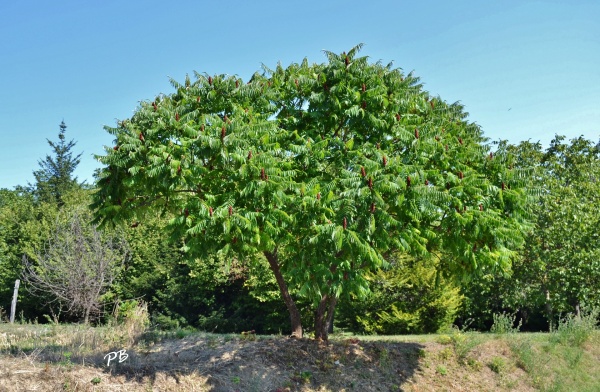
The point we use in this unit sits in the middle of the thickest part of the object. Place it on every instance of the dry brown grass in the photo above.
(61, 358)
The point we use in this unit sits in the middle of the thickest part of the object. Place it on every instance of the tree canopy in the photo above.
(55, 176)
(324, 169)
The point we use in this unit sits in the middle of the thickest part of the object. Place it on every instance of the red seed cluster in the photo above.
(223, 132)
(249, 155)
(363, 172)
(364, 87)
(319, 196)
(154, 106)
(460, 175)
(364, 104)
(384, 161)
(416, 133)
(210, 80)
(141, 137)
(345, 223)
(210, 211)
(372, 208)
(176, 116)
(370, 183)
(481, 207)
(263, 176)
(398, 117)
(408, 181)
(230, 210)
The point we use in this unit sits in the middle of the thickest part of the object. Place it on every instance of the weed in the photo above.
(67, 360)
(526, 358)
(474, 364)
(575, 331)
(235, 380)
(441, 369)
(303, 376)
(96, 380)
(306, 376)
(384, 358)
(446, 354)
(463, 342)
(444, 339)
(497, 365)
(505, 323)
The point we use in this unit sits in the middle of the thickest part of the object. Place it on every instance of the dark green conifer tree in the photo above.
(55, 176)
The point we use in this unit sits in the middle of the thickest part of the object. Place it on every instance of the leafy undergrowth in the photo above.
(72, 358)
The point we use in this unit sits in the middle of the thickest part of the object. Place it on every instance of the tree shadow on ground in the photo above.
(272, 364)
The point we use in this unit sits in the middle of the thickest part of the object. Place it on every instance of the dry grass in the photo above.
(71, 358)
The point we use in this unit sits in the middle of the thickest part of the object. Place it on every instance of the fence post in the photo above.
(13, 306)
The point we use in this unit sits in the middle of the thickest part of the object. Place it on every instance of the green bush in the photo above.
(505, 323)
(165, 323)
(497, 365)
(410, 297)
(575, 331)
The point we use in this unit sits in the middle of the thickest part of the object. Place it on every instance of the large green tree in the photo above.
(55, 177)
(562, 261)
(323, 170)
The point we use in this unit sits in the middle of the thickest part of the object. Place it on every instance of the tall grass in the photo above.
(54, 342)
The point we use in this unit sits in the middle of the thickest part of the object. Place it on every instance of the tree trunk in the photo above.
(295, 319)
(324, 317)
(549, 310)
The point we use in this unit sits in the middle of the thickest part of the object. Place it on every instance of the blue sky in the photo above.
(523, 69)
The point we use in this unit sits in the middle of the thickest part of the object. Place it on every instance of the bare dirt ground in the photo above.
(245, 363)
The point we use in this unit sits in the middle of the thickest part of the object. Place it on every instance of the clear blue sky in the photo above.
(523, 69)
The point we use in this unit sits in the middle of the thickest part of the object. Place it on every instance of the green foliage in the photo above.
(410, 297)
(76, 263)
(497, 365)
(25, 227)
(441, 369)
(323, 169)
(560, 268)
(55, 177)
(16, 208)
(574, 330)
(505, 323)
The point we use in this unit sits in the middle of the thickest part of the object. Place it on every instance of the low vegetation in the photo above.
(74, 358)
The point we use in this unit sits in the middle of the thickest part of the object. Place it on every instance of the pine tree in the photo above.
(55, 176)
(323, 170)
